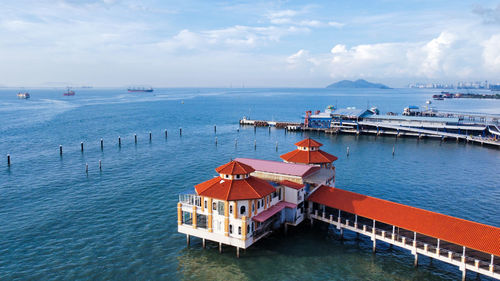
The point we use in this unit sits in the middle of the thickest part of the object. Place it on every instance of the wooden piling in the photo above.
(119, 141)
(8, 160)
(203, 243)
(100, 165)
(180, 132)
(135, 138)
(393, 149)
(150, 136)
(60, 150)
(187, 239)
(220, 247)
(215, 141)
(347, 151)
(254, 144)
(235, 143)
(215, 129)
(276, 145)
(166, 134)
(102, 144)
(86, 168)
(269, 129)
(238, 252)
(81, 146)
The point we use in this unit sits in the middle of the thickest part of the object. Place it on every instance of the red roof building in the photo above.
(308, 152)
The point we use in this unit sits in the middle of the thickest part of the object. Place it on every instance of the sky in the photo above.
(189, 43)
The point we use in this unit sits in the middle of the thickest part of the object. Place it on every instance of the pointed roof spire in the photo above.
(234, 168)
(308, 143)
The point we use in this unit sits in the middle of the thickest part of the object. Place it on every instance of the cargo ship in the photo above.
(24, 95)
(69, 92)
(140, 89)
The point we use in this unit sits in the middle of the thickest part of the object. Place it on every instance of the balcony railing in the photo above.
(190, 199)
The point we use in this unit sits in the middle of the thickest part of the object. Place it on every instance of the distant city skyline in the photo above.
(252, 43)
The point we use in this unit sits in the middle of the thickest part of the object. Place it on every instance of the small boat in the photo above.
(69, 92)
(140, 89)
(24, 95)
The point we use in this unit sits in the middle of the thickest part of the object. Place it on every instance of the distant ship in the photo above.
(69, 92)
(140, 89)
(24, 95)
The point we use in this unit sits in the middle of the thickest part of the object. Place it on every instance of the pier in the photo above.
(468, 245)
(399, 126)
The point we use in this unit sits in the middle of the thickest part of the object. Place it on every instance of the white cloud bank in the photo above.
(446, 56)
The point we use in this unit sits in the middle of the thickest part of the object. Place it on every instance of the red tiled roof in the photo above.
(265, 215)
(308, 143)
(234, 168)
(308, 157)
(470, 234)
(230, 190)
(291, 184)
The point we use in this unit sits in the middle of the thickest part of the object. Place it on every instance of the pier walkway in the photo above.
(427, 132)
(468, 245)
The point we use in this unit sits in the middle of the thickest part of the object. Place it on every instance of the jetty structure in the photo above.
(413, 122)
(251, 198)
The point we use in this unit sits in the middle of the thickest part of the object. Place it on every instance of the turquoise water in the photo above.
(57, 222)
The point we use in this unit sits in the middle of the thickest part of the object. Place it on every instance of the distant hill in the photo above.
(360, 83)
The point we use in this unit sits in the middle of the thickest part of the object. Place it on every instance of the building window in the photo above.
(230, 209)
(237, 176)
(221, 208)
(258, 204)
(253, 207)
(206, 204)
(239, 230)
(248, 229)
(242, 210)
(231, 228)
(279, 193)
(214, 206)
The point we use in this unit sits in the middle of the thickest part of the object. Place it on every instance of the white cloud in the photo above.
(445, 56)
(335, 24)
(491, 53)
(338, 49)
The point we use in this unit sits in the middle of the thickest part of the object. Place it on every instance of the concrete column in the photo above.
(209, 218)
(374, 245)
(415, 263)
(491, 263)
(341, 233)
(355, 221)
(238, 252)
(187, 239)
(226, 218)
(220, 247)
(179, 213)
(286, 229)
(464, 274)
(244, 228)
(203, 243)
(194, 217)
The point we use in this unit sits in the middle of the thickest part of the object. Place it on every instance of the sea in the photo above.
(59, 222)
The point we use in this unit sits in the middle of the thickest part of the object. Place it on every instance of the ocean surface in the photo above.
(59, 223)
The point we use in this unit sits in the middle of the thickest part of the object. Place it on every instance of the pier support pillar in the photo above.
(187, 239)
(464, 274)
(341, 234)
(415, 263)
(374, 245)
(220, 247)
(203, 243)
(286, 229)
(238, 252)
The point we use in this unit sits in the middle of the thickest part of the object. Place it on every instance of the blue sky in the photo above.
(255, 43)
